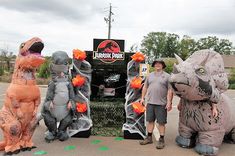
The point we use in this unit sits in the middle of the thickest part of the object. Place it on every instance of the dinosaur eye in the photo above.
(201, 71)
(22, 45)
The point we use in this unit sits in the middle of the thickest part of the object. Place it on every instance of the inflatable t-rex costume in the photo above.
(59, 98)
(18, 114)
(200, 81)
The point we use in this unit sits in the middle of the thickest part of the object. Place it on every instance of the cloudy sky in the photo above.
(65, 25)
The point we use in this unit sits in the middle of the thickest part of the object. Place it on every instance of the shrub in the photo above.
(232, 86)
(42, 81)
(1, 71)
(169, 65)
(232, 76)
(44, 71)
(5, 78)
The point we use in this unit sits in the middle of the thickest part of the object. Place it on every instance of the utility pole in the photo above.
(109, 20)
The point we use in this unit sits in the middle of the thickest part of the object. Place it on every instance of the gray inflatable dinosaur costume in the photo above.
(58, 103)
(200, 81)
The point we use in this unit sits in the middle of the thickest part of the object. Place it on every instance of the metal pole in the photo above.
(110, 20)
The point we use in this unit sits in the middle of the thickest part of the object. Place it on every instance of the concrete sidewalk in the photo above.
(109, 146)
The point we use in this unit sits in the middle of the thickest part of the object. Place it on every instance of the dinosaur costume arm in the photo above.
(16, 108)
(71, 94)
(36, 104)
(50, 92)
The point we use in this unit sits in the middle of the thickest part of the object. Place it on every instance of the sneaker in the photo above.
(160, 143)
(146, 141)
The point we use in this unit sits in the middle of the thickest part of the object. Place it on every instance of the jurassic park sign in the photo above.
(108, 51)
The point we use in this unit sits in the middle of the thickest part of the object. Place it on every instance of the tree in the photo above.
(6, 57)
(172, 45)
(222, 46)
(209, 42)
(160, 44)
(1, 71)
(154, 44)
(187, 47)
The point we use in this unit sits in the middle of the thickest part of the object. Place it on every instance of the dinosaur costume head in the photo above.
(197, 77)
(28, 59)
(59, 64)
(30, 54)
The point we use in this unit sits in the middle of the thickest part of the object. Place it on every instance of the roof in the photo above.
(229, 61)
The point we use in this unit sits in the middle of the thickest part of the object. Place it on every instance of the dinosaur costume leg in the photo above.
(209, 141)
(50, 122)
(26, 141)
(28, 128)
(230, 137)
(186, 138)
(11, 131)
(62, 134)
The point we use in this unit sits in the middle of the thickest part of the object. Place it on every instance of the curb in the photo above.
(42, 86)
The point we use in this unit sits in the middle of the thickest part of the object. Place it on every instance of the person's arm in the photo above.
(215, 98)
(169, 99)
(169, 95)
(144, 90)
(214, 110)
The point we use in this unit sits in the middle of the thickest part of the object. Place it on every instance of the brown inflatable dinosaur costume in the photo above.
(200, 81)
(18, 114)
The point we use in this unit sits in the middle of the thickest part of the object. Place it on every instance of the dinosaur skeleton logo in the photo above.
(108, 51)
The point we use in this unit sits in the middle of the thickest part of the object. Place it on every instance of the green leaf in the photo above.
(94, 142)
(67, 148)
(40, 153)
(119, 139)
(103, 148)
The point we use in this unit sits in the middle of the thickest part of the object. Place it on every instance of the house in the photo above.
(229, 62)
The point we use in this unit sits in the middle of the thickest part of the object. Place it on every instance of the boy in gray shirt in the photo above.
(158, 97)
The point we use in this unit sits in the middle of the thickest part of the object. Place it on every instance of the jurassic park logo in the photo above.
(108, 51)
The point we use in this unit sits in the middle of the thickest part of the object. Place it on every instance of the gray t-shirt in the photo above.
(157, 87)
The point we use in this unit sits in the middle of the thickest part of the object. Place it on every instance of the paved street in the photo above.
(108, 146)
